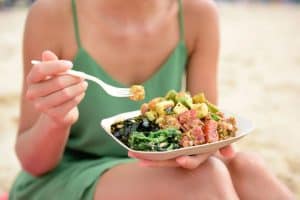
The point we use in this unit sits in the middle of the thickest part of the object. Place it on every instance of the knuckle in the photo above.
(81, 86)
(60, 82)
(29, 95)
(66, 94)
(62, 119)
(56, 116)
(77, 100)
(37, 69)
(81, 90)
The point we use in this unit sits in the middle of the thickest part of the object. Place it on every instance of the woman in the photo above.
(65, 155)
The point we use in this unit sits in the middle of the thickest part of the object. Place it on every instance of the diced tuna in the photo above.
(210, 131)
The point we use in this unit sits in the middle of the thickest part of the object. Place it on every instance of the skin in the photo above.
(49, 100)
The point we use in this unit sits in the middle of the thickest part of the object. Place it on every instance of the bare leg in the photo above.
(252, 179)
(211, 181)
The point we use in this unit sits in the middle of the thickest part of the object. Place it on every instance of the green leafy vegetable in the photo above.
(161, 140)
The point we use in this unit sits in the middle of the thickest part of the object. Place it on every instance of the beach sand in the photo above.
(259, 79)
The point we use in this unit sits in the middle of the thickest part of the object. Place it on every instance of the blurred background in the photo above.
(259, 78)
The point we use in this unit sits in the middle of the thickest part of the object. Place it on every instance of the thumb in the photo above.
(48, 56)
(227, 151)
(192, 162)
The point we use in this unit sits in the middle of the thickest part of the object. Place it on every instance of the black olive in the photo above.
(122, 130)
(117, 134)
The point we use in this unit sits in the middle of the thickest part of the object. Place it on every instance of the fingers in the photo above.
(45, 69)
(227, 151)
(67, 112)
(192, 162)
(48, 55)
(53, 93)
(187, 162)
(47, 87)
(55, 99)
(163, 163)
(150, 163)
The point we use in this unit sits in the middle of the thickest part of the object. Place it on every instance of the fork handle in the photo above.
(77, 74)
(85, 76)
(72, 72)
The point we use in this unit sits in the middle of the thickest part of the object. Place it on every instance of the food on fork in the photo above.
(138, 92)
(175, 121)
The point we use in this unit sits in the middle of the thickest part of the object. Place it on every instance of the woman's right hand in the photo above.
(53, 94)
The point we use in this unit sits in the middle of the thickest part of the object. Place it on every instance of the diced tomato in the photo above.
(210, 131)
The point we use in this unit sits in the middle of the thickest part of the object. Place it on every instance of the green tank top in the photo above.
(87, 137)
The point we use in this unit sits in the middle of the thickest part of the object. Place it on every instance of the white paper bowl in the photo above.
(244, 127)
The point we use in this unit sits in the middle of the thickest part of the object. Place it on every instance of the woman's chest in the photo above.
(131, 56)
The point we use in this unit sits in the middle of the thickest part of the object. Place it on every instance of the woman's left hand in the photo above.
(187, 162)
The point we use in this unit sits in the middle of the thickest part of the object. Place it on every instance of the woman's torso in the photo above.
(122, 60)
(140, 53)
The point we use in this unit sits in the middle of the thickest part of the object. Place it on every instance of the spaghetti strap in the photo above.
(181, 20)
(75, 21)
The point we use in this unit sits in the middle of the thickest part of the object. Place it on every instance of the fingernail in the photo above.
(67, 63)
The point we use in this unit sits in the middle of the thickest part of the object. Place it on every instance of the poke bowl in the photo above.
(175, 125)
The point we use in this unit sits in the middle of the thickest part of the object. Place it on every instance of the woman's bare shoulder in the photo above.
(48, 10)
(199, 15)
(45, 24)
(199, 9)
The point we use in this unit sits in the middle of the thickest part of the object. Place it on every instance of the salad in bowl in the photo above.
(177, 120)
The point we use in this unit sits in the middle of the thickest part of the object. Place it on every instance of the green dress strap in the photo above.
(75, 22)
(181, 20)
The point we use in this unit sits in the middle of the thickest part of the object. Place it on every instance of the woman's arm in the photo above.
(203, 61)
(48, 106)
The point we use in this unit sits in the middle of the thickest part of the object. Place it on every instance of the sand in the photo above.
(259, 78)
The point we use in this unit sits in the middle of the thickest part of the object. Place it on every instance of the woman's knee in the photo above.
(246, 162)
(214, 168)
(213, 181)
(248, 169)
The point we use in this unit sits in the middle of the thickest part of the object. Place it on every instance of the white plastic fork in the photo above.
(109, 89)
